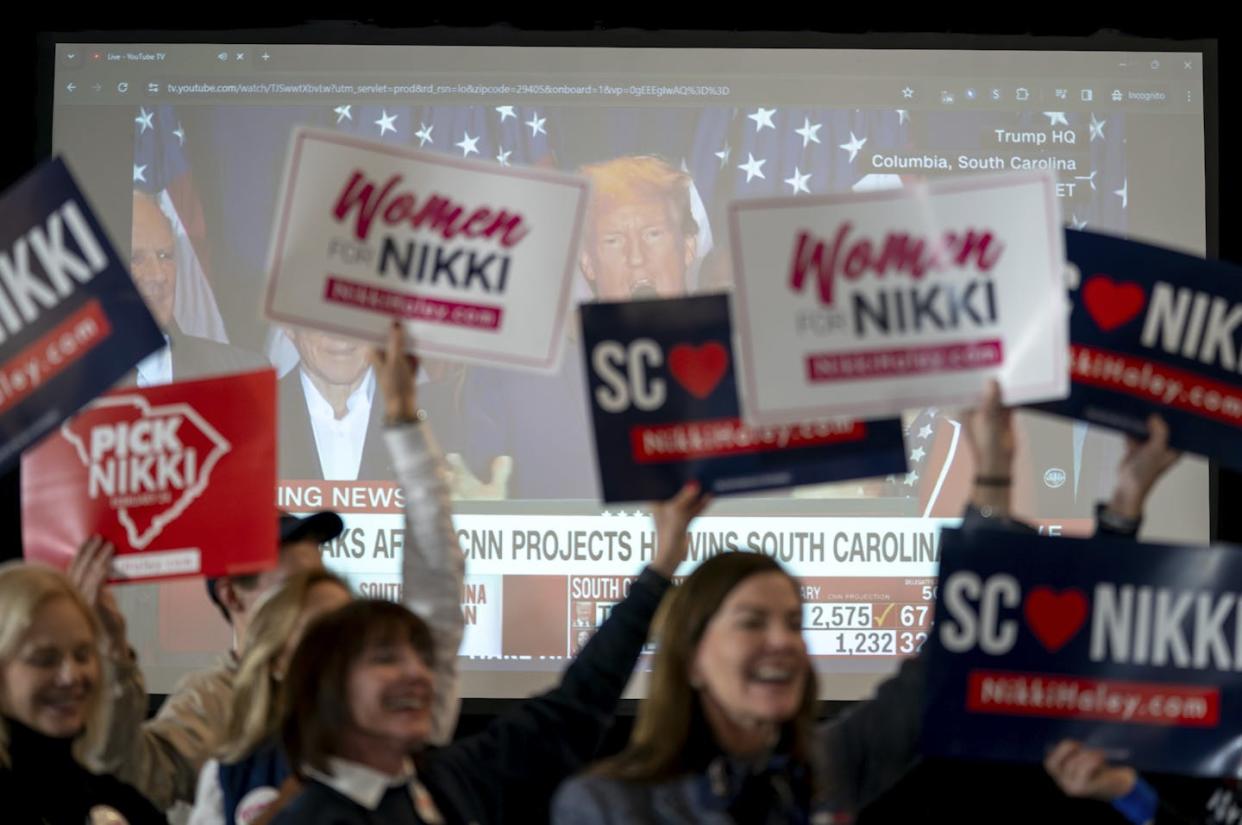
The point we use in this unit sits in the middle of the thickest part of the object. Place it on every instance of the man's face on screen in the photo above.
(332, 360)
(637, 247)
(151, 259)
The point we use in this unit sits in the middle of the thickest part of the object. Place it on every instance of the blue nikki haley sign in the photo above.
(665, 410)
(71, 320)
(1154, 330)
(1135, 649)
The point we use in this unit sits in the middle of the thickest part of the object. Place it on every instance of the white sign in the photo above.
(871, 303)
(476, 258)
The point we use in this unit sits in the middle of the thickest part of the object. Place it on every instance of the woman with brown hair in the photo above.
(728, 733)
(361, 684)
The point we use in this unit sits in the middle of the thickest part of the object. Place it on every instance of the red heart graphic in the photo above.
(698, 369)
(1112, 304)
(1055, 619)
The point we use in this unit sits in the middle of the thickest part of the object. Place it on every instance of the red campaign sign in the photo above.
(180, 478)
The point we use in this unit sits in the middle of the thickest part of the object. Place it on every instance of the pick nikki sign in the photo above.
(475, 258)
(180, 478)
(1156, 331)
(871, 303)
(663, 396)
(1136, 649)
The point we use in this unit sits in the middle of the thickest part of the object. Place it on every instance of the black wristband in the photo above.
(420, 415)
(1116, 524)
(993, 481)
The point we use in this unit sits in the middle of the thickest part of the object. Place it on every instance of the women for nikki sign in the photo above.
(868, 304)
(476, 258)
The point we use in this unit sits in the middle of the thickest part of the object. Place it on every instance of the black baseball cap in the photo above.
(320, 527)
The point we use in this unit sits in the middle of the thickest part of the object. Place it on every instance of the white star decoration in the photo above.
(762, 118)
(468, 145)
(385, 123)
(753, 168)
(911, 479)
(180, 133)
(536, 124)
(853, 146)
(926, 431)
(344, 112)
(503, 157)
(1088, 178)
(1124, 193)
(1097, 128)
(1056, 117)
(723, 154)
(144, 120)
(424, 134)
(506, 112)
(917, 454)
(140, 173)
(903, 115)
(809, 132)
(798, 182)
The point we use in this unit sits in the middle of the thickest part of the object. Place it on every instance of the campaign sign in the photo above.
(1134, 649)
(71, 320)
(476, 258)
(1154, 330)
(663, 397)
(870, 303)
(181, 478)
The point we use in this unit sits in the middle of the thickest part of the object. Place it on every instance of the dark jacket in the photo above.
(45, 785)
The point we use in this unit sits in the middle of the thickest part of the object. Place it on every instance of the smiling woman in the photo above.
(728, 730)
(51, 685)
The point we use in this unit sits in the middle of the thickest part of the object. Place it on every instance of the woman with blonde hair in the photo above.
(51, 691)
(239, 786)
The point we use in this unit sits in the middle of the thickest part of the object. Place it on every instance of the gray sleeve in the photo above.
(433, 567)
